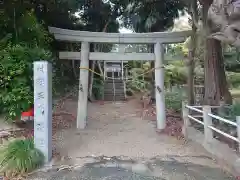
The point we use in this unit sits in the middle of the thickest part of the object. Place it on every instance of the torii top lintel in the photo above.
(119, 38)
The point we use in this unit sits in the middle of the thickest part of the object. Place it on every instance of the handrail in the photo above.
(209, 106)
(195, 109)
(207, 122)
(224, 134)
(197, 106)
(222, 119)
(196, 120)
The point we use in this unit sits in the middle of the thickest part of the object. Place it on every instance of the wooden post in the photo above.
(159, 86)
(208, 134)
(186, 122)
(238, 130)
(83, 87)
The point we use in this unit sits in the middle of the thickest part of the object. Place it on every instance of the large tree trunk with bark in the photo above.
(216, 88)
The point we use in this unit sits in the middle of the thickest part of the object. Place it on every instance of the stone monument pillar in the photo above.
(43, 108)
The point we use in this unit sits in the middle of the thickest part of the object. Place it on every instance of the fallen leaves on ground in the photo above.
(174, 122)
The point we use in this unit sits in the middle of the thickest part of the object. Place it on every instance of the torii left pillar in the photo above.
(83, 87)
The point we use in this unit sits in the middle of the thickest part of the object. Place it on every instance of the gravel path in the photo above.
(118, 144)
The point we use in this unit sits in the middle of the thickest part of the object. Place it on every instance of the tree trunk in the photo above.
(191, 56)
(215, 81)
(216, 88)
(91, 80)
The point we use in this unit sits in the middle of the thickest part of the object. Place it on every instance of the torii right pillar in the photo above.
(159, 86)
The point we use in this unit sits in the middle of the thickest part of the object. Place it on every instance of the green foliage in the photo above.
(230, 112)
(16, 77)
(173, 100)
(235, 109)
(179, 49)
(151, 16)
(233, 79)
(32, 32)
(232, 59)
(16, 66)
(175, 73)
(136, 82)
(97, 88)
(19, 157)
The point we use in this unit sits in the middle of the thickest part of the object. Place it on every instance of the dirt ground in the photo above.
(118, 143)
(117, 137)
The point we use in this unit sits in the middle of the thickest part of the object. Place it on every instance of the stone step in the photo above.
(111, 85)
(112, 89)
(119, 94)
(115, 80)
(111, 92)
(112, 95)
(116, 99)
(114, 85)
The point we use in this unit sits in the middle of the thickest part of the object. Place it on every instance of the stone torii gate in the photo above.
(85, 37)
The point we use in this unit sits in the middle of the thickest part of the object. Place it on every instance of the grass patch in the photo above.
(20, 157)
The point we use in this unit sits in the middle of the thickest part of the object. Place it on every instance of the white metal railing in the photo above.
(207, 117)
(222, 119)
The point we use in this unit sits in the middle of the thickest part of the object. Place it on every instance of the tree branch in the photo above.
(194, 12)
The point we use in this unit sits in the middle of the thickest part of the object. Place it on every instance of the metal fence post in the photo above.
(208, 134)
(238, 130)
(186, 122)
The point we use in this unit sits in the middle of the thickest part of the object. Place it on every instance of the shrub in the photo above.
(136, 83)
(20, 157)
(16, 64)
(173, 100)
(233, 79)
(230, 112)
(97, 88)
(16, 78)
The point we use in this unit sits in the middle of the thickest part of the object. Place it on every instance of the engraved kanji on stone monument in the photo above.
(40, 81)
(40, 95)
(40, 68)
(43, 108)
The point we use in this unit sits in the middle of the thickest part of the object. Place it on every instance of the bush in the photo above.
(230, 112)
(16, 64)
(136, 83)
(173, 100)
(16, 78)
(20, 157)
(233, 79)
(97, 88)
